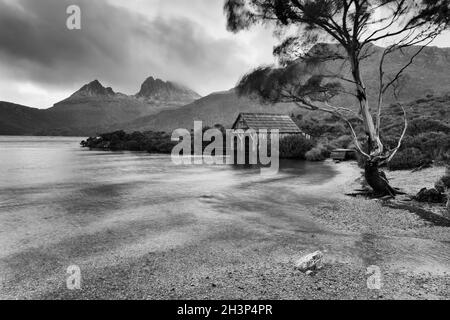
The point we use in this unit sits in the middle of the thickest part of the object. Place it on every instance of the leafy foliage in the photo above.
(295, 147)
(409, 158)
(318, 153)
(428, 131)
(152, 142)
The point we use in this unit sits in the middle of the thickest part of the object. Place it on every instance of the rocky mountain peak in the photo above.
(92, 89)
(157, 89)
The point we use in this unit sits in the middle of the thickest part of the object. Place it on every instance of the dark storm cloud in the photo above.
(35, 31)
(118, 46)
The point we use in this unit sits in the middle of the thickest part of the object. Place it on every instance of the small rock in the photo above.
(309, 272)
(311, 261)
(430, 196)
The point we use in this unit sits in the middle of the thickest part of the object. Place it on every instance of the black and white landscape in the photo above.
(94, 206)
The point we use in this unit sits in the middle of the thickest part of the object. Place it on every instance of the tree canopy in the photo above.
(354, 26)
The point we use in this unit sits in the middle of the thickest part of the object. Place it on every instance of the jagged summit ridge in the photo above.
(157, 89)
(92, 89)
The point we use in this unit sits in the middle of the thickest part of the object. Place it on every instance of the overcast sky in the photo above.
(121, 43)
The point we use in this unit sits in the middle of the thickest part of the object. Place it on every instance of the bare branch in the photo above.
(394, 151)
(397, 76)
(307, 104)
(394, 18)
(383, 88)
(380, 91)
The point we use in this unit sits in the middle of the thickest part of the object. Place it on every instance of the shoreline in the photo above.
(251, 254)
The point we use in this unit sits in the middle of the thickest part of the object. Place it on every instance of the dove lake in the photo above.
(139, 226)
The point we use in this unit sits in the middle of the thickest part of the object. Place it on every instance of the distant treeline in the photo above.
(149, 141)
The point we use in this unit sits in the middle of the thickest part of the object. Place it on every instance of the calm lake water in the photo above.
(51, 187)
(61, 204)
(57, 177)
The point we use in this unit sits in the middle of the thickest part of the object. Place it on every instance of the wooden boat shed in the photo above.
(268, 121)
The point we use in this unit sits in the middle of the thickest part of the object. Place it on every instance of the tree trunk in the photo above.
(376, 147)
(378, 181)
(375, 178)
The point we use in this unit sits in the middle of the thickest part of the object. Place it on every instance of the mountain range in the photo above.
(165, 106)
(93, 108)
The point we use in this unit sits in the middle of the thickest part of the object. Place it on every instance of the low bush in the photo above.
(152, 142)
(423, 124)
(342, 142)
(295, 147)
(443, 185)
(409, 158)
(132, 145)
(432, 144)
(446, 181)
(322, 129)
(318, 153)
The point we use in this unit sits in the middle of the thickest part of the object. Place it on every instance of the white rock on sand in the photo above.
(310, 262)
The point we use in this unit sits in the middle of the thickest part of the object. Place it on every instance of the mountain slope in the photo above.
(94, 107)
(93, 89)
(428, 75)
(216, 108)
(156, 90)
(21, 120)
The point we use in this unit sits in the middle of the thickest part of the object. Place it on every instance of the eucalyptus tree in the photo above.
(305, 26)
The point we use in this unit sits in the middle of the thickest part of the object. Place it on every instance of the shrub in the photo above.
(432, 144)
(153, 142)
(444, 183)
(132, 145)
(408, 159)
(322, 128)
(116, 135)
(295, 147)
(341, 142)
(318, 153)
(422, 125)
(136, 136)
(444, 157)
(391, 141)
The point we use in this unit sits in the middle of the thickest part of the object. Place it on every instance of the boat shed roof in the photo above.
(269, 121)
